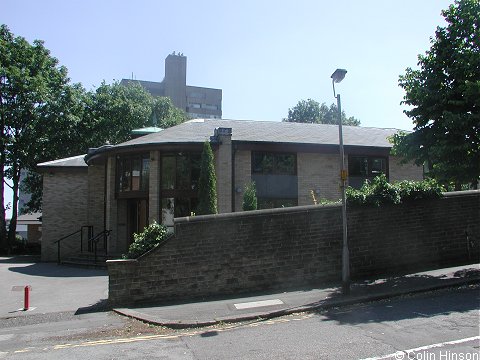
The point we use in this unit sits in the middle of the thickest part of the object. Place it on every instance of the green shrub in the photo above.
(250, 197)
(380, 191)
(207, 183)
(151, 237)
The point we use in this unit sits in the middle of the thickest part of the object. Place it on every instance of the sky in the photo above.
(265, 55)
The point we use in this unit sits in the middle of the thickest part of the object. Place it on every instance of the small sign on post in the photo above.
(26, 295)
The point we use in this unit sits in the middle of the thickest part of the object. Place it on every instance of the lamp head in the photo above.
(338, 75)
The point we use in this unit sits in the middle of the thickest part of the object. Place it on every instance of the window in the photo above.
(180, 173)
(209, 107)
(132, 174)
(367, 166)
(361, 168)
(274, 163)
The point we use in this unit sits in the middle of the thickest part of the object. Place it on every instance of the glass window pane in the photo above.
(196, 160)
(285, 164)
(257, 162)
(183, 172)
(182, 207)
(125, 175)
(136, 168)
(358, 166)
(168, 172)
(145, 174)
(378, 166)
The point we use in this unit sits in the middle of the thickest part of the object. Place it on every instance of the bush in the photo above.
(207, 183)
(380, 191)
(151, 237)
(250, 197)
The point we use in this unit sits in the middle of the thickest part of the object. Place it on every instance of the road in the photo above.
(437, 325)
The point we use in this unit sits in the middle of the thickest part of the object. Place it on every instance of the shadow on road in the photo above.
(421, 306)
(100, 306)
(54, 270)
(19, 259)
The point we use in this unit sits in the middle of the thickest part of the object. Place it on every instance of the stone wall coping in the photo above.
(461, 193)
(245, 214)
(122, 261)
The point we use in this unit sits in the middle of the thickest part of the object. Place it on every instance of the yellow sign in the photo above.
(343, 175)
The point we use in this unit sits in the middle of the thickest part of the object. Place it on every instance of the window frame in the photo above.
(129, 160)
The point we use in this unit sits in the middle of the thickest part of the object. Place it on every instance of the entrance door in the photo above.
(137, 217)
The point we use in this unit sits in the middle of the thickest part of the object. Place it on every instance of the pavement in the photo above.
(57, 288)
(265, 306)
(54, 288)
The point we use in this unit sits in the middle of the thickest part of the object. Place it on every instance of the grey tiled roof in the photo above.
(197, 131)
(74, 161)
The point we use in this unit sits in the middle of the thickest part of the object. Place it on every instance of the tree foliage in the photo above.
(44, 117)
(36, 110)
(250, 197)
(310, 111)
(444, 100)
(207, 183)
(107, 115)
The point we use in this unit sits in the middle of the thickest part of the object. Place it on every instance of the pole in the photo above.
(343, 177)
(26, 298)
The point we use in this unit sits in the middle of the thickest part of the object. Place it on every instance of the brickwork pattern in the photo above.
(96, 191)
(223, 172)
(295, 247)
(318, 172)
(243, 175)
(399, 172)
(64, 211)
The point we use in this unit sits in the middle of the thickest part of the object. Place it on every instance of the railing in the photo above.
(79, 231)
(93, 243)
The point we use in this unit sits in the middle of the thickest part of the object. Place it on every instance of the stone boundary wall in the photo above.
(297, 247)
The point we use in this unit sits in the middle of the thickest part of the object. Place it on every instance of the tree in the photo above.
(310, 111)
(250, 197)
(207, 183)
(35, 110)
(444, 100)
(107, 115)
(165, 114)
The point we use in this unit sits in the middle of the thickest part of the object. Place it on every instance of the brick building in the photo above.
(124, 187)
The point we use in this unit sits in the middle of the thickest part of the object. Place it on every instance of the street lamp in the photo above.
(338, 76)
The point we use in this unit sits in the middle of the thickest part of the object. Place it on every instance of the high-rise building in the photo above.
(198, 102)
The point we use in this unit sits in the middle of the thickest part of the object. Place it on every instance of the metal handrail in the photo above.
(94, 241)
(58, 242)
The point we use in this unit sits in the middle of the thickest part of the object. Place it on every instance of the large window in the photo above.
(132, 175)
(274, 163)
(361, 168)
(180, 173)
(275, 177)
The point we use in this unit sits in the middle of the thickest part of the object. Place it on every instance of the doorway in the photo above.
(137, 213)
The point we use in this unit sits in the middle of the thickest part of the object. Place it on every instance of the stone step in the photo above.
(87, 260)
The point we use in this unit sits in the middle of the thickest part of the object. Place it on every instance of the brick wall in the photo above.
(399, 172)
(318, 172)
(295, 247)
(243, 175)
(64, 210)
(96, 191)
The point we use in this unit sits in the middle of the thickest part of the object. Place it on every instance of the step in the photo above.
(85, 264)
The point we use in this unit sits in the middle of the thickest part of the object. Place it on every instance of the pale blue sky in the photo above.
(264, 55)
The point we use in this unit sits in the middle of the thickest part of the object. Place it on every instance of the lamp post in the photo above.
(338, 76)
